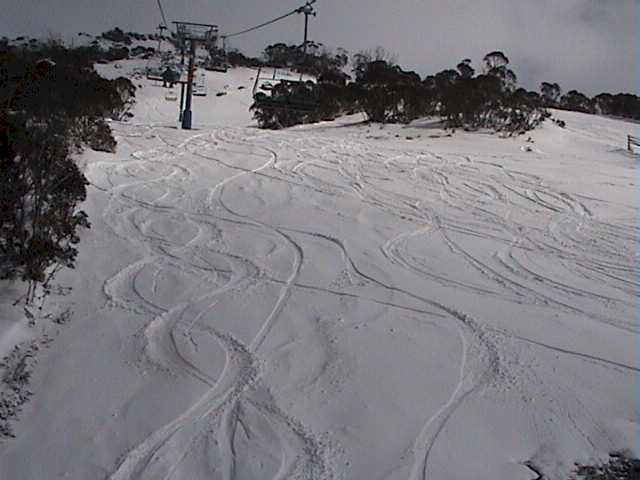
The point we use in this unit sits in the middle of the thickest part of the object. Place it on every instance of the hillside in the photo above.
(340, 301)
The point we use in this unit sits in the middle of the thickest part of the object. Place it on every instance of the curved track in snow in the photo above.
(455, 202)
(338, 301)
(450, 199)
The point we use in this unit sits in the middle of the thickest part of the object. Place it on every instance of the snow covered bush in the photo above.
(619, 467)
(463, 98)
(389, 94)
(490, 100)
(51, 106)
(295, 103)
(40, 189)
(117, 35)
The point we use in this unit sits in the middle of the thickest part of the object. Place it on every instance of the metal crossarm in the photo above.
(200, 32)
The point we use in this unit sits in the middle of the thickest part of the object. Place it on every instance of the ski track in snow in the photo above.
(239, 385)
(158, 203)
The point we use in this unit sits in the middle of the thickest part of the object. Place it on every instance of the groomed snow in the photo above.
(341, 301)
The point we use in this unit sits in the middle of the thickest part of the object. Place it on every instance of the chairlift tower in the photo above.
(307, 10)
(192, 34)
(161, 28)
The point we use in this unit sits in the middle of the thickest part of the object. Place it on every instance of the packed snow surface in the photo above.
(341, 301)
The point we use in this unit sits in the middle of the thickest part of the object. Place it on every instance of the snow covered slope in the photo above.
(342, 301)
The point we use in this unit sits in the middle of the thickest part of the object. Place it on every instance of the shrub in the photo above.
(387, 93)
(576, 101)
(619, 467)
(52, 103)
(41, 188)
(117, 35)
(463, 99)
(325, 100)
(279, 110)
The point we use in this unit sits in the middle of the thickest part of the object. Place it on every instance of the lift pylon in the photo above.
(192, 34)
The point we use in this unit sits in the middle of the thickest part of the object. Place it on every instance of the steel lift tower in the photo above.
(307, 10)
(193, 33)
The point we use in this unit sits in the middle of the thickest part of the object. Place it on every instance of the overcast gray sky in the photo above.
(591, 45)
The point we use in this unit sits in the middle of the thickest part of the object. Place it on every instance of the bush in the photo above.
(52, 103)
(463, 99)
(116, 53)
(41, 188)
(317, 60)
(236, 59)
(117, 35)
(325, 101)
(619, 467)
(279, 110)
(624, 105)
(141, 51)
(386, 93)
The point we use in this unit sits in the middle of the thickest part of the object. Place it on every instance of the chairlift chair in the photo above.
(154, 69)
(171, 96)
(156, 66)
(217, 65)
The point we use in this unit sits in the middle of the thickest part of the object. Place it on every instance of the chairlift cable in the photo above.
(281, 17)
(164, 18)
(260, 26)
(296, 94)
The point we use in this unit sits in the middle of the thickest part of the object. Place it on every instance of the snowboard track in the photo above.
(437, 209)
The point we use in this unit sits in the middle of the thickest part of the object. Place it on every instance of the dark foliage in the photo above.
(317, 60)
(550, 94)
(41, 188)
(576, 101)
(237, 59)
(619, 467)
(290, 103)
(488, 100)
(386, 93)
(118, 36)
(137, 36)
(140, 51)
(623, 105)
(293, 103)
(462, 97)
(52, 102)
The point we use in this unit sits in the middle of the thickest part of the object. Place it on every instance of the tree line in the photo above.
(624, 105)
(463, 97)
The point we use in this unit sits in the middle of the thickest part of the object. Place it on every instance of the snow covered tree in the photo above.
(495, 59)
(490, 100)
(551, 93)
(576, 101)
(52, 103)
(41, 189)
(465, 69)
(388, 93)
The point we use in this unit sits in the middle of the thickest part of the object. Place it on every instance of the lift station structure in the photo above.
(189, 35)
